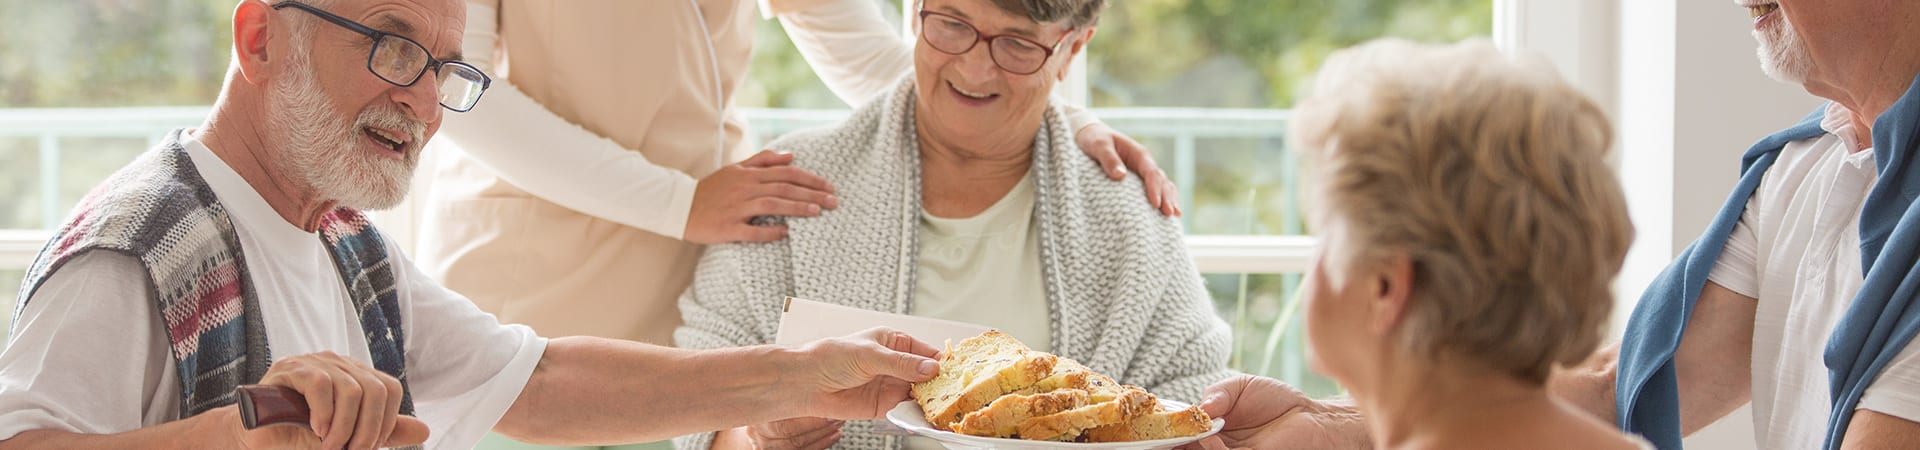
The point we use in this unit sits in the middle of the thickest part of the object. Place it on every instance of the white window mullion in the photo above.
(17, 247)
(1212, 254)
(1251, 254)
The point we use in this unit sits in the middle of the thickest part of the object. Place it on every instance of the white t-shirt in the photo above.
(1797, 250)
(89, 354)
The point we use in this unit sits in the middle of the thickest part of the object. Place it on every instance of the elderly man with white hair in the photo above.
(1798, 299)
(234, 257)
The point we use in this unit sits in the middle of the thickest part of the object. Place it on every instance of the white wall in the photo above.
(1692, 99)
(1578, 37)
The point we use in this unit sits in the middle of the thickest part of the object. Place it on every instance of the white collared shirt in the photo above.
(1797, 250)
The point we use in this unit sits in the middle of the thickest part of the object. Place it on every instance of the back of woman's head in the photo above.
(1489, 173)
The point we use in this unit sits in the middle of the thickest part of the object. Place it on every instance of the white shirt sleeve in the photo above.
(1897, 391)
(848, 43)
(87, 354)
(855, 51)
(464, 367)
(536, 150)
(1738, 268)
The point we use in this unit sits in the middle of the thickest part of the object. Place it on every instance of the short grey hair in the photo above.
(1490, 172)
(1077, 13)
(300, 28)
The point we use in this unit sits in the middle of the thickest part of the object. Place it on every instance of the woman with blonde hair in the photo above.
(1469, 231)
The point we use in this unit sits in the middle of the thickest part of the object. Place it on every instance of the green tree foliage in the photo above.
(1146, 53)
(113, 52)
(1185, 53)
(1246, 53)
(1250, 53)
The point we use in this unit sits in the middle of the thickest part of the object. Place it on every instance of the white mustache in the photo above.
(392, 119)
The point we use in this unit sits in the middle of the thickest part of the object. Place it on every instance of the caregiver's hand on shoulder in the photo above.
(1265, 413)
(800, 433)
(1113, 150)
(350, 406)
(860, 376)
(764, 185)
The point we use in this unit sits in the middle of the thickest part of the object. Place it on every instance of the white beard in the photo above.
(322, 150)
(1783, 56)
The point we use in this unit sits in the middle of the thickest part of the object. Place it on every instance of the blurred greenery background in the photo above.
(1230, 54)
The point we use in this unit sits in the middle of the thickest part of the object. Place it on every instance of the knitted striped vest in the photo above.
(160, 211)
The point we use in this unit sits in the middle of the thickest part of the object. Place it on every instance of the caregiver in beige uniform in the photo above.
(566, 201)
(577, 197)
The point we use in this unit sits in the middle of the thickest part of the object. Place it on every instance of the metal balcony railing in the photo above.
(1263, 343)
(49, 130)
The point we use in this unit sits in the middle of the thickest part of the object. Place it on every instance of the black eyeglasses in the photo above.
(401, 61)
(953, 36)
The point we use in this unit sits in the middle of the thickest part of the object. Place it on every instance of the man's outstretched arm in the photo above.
(596, 391)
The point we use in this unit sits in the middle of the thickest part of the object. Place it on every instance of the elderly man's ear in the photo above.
(252, 21)
(1079, 44)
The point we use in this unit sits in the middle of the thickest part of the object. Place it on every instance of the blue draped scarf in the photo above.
(1872, 331)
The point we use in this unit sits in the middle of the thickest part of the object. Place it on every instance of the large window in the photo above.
(85, 86)
(1206, 83)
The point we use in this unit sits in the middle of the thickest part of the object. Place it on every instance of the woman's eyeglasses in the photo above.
(953, 36)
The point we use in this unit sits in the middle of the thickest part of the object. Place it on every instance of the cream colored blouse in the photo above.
(985, 269)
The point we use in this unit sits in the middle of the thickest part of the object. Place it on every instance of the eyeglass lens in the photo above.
(402, 62)
(954, 36)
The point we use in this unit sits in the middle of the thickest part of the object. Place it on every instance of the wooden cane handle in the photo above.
(262, 405)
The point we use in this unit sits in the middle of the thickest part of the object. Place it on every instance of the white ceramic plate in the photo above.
(908, 415)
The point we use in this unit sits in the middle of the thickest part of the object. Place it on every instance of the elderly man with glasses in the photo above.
(226, 281)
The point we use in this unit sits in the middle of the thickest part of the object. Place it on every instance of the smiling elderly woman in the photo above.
(963, 197)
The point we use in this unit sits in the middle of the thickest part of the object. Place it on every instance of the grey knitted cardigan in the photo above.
(1123, 296)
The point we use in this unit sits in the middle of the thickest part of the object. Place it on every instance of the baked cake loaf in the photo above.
(975, 373)
(992, 385)
(1003, 417)
(1161, 424)
(1067, 425)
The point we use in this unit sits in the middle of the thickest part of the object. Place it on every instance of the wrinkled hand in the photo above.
(860, 376)
(352, 406)
(1265, 413)
(764, 185)
(1113, 150)
(800, 433)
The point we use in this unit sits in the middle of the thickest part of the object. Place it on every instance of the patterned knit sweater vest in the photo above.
(161, 212)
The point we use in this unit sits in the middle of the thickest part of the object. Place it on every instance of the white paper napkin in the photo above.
(807, 320)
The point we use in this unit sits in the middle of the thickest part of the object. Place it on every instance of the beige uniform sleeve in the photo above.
(537, 150)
